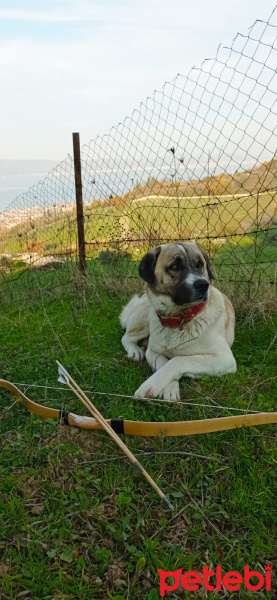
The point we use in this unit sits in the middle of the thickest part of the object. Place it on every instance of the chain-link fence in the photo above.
(196, 161)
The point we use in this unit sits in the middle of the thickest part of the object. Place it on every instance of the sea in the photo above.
(12, 186)
(98, 185)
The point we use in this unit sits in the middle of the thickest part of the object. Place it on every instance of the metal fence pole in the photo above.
(79, 203)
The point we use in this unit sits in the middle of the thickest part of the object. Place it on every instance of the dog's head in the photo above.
(180, 272)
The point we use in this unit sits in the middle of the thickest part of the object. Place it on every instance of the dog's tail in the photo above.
(127, 310)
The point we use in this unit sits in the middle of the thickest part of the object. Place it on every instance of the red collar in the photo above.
(181, 318)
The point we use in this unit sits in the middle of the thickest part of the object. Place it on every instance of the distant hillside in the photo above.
(256, 180)
(26, 167)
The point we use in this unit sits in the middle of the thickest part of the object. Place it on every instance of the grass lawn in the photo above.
(216, 216)
(76, 520)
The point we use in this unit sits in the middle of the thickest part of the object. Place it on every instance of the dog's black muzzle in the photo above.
(191, 293)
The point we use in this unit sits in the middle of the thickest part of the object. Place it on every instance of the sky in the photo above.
(83, 66)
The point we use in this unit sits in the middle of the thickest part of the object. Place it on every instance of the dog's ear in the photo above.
(147, 265)
(208, 263)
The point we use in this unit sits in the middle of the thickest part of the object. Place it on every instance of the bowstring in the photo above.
(125, 396)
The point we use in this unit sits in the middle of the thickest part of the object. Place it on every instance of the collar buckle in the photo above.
(182, 324)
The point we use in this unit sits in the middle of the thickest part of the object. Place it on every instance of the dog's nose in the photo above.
(201, 285)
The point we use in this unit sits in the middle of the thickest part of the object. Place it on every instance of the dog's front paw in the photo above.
(150, 388)
(136, 354)
(171, 392)
(144, 391)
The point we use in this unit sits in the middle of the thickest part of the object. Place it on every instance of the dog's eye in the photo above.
(200, 264)
(174, 267)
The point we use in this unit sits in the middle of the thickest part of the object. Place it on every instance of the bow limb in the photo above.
(37, 409)
(184, 428)
(50, 413)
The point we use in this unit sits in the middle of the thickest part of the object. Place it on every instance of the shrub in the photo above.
(114, 255)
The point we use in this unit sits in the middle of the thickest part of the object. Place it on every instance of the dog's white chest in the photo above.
(172, 341)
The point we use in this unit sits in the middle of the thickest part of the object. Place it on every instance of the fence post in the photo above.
(79, 203)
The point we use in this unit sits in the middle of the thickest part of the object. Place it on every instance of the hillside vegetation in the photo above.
(260, 178)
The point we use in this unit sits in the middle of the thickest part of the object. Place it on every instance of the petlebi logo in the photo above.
(231, 581)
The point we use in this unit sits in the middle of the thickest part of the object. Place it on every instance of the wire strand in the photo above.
(161, 401)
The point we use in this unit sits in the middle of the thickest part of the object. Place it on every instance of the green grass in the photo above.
(76, 521)
(216, 216)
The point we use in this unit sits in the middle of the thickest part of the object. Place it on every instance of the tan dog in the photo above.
(186, 324)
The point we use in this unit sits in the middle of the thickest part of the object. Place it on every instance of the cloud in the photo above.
(85, 66)
(66, 12)
(34, 15)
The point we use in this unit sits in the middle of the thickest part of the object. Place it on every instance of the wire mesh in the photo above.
(196, 161)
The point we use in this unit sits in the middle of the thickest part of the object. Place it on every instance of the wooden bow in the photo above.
(142, 428)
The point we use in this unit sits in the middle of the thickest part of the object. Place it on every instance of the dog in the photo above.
(182, 323)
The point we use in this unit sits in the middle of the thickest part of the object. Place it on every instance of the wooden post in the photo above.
(79, 203)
